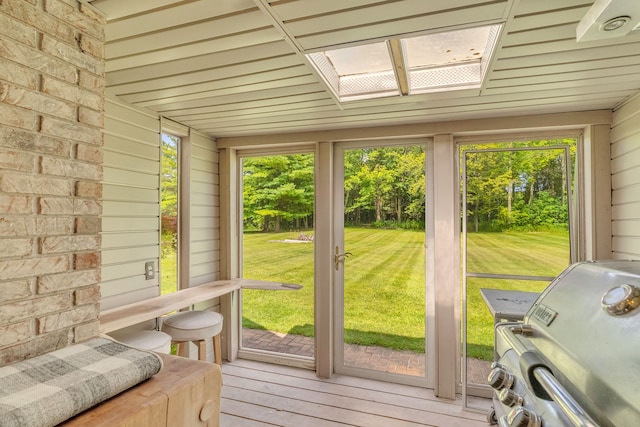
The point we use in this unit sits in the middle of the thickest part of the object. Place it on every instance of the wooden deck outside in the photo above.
(260, 394)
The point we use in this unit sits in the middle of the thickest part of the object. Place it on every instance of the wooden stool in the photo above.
(157, 341)
(196, 326)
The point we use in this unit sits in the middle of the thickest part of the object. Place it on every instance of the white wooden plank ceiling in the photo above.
(235, 67)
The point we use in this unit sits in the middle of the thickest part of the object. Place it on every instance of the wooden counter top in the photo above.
(130, 314)
(183, 393)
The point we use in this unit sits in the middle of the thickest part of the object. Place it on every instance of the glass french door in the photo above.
(516, 211)
(278, 246)
(379, 261)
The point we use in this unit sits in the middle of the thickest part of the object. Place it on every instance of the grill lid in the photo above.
(586, 324)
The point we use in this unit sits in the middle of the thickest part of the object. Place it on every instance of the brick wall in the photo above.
(51, 119)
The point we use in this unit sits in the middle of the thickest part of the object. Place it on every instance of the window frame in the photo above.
(183, 179)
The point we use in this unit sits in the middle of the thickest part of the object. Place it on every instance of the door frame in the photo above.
(483, 390)
(338, 275)
(593, 233)
(255, 354)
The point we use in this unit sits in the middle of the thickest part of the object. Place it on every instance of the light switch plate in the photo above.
(149, 270)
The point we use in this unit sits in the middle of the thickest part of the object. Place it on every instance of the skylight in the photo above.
(404, 66)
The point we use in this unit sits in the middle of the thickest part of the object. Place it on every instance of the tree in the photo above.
(507, 188)
(278, 191)
(169, 192)
(169, 178)
(383, 184)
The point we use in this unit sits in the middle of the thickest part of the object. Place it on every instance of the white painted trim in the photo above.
(596, 197)
(430, 253)
(628, 101)
(485, 126)
(446, 267)
(521, 136)
(323, 274)
(184, 212)
(337, 197)
(278, 359)
(174, 128)
(229, 304)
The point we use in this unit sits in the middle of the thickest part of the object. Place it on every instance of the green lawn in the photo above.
(384, 301)
(531, 254)
(384, 292)
(168, 271)
(266, 257)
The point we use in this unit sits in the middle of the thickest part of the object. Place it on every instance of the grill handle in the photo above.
(571, 408)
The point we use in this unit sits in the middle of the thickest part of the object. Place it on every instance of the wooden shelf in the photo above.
(131, 314)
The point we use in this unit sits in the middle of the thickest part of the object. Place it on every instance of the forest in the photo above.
(506, 189)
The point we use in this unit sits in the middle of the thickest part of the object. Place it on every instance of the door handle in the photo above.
(340, 257)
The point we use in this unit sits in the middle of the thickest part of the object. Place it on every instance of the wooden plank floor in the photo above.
(260, 394)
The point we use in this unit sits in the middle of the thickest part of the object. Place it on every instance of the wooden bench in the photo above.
(184, 393)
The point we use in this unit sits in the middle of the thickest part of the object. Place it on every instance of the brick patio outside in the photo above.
(370, 357)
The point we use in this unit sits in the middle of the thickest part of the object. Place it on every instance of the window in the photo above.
(408, 65)
(517, 230)
(169, 214)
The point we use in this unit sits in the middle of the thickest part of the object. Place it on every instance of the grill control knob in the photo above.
(500, 378)
(522, 417)
(509, 397)
(621, 299)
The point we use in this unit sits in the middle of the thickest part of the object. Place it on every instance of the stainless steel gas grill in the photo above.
(575, 359)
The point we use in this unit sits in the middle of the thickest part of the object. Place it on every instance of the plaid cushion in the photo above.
(49, 389)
